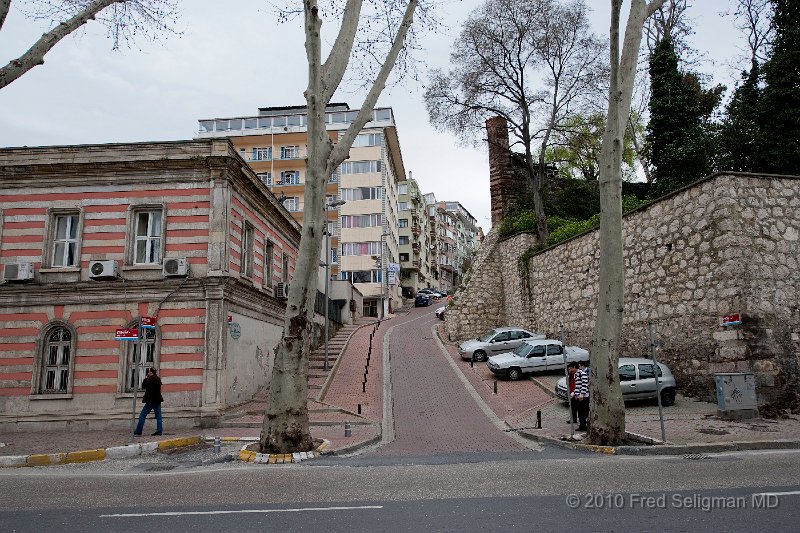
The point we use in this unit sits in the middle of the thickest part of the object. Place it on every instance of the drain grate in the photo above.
(695, 456)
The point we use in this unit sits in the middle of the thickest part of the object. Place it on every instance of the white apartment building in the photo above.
(364, 230)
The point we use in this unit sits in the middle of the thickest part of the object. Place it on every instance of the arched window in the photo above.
(140, 355)
(57, 360)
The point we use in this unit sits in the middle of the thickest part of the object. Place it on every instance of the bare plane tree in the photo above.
(123, 19)
(607, 411)
(755, 18)
(533, 62)
(285, 426)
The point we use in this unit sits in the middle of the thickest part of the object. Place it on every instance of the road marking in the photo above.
(242, 511)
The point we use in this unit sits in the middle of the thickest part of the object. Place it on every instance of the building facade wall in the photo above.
(204, 200)
(728, 244)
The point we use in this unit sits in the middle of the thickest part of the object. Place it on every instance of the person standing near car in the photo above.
(581, 394)
(572, 368)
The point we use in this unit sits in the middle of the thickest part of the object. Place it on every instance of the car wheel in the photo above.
(514, 374)
(479, 356)
(668, 397)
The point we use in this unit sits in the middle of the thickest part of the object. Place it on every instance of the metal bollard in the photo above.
(538, 420)
(359, 408)
(495, 386)
(217, 444)
(347, 429)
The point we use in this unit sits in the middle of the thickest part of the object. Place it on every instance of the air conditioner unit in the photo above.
(176, 267)
(282, 291)
(18, 271)
(106, 269)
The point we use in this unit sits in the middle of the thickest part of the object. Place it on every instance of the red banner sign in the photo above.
(731, 320)
(148, 322)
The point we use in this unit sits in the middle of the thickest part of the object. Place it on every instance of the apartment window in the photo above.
(359, 167)
(402, 223)
(285, 268)
(250, 123)
(139, 357)
(403, 240)
(334, 177)
(269, 251)
(361, 248)
(262, 154)
(290, 177)
(247, 250)
(148, 236)
(402, 188)
(362, 193)
(334, 256)
(403, 257)
(290, 152)
(362, 221)
(292, 203)
(65, 240)
(383, 114)
(368, 139)
(362, 276)
(57, 360)
(266, 178)
(403, 206)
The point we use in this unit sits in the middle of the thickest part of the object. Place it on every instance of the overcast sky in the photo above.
(234, 58)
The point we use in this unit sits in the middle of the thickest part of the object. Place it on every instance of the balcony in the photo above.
(415, 229)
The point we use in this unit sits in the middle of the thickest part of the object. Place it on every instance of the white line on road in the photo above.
(242, 511)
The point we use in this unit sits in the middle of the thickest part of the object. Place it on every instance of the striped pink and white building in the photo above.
(94, 238)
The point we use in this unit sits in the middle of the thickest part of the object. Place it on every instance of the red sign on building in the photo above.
(127, 334)
(734, 319)
(148, 322)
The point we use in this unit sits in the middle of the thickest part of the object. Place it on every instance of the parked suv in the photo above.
(496, 341)
(637, 381)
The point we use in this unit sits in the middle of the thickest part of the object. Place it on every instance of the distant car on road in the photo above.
(431, 293)
(496, 341)
(535, 356)
(637, 380)
(440, 312)
(421, 300)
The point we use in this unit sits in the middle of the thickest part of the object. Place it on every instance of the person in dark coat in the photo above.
(152, 401)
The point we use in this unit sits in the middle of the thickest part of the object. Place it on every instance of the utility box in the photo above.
(736, 395)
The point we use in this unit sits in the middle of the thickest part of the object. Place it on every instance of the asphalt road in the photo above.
(607, 493)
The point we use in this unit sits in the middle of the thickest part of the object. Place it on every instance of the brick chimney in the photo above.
(503, 184)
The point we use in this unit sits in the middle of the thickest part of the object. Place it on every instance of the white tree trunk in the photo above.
(607, 411)
(285, 427)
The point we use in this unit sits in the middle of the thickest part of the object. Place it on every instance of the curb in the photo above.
(249, 456)
(100, 454)
(666, 449)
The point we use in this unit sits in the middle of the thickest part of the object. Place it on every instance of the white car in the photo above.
(496, 341)
(535, 356)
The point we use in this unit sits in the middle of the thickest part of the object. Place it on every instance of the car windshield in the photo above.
(523, 350)
(487, 336)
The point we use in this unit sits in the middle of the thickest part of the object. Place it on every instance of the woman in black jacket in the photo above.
(152, 401)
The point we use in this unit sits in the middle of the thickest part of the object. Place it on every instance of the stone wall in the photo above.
(727, 244)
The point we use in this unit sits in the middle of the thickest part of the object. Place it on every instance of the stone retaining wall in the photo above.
(727, 244)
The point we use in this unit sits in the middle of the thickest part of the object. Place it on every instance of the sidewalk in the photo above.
(352, 391)
(342, 384)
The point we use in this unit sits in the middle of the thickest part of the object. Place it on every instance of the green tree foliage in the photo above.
(779, 106)
(679, 132)
(737, 146)
(576, 148)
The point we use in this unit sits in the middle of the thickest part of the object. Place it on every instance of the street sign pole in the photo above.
(137, 354)
(652, 335)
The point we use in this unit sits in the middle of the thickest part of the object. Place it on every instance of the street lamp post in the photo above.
(337, 203)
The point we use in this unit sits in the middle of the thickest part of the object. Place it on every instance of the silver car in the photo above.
(637, 381)
(496, 341)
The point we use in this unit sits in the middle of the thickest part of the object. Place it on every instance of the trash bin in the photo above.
(736, 395)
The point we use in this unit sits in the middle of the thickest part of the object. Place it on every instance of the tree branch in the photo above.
(335, 66)
(342, 149)
(35, 54)
(4, 7)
